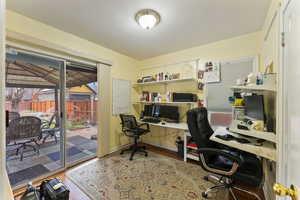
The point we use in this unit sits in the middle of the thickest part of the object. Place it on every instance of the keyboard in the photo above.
(151, 120)
(229, 137)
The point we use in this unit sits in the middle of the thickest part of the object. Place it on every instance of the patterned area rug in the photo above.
(144, 178)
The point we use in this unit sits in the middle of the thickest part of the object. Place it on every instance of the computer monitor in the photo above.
(156, 111)
(148, 111)
(254, 107)
(169, 112)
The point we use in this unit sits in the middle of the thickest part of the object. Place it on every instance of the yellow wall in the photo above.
(246, 45)
(242, 46)
(123, 67)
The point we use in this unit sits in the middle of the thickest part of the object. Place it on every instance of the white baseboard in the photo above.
(115, 149)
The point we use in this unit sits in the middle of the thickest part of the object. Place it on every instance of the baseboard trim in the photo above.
(115, 149)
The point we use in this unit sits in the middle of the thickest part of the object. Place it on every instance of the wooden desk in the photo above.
(267, 150)
(180, 126)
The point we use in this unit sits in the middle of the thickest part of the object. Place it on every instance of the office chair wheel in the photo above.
(130, 159)
(205, 178)
(121, 153)
(146, 154)
(204, 195)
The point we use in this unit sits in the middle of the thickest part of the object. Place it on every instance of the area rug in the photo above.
(145, 178)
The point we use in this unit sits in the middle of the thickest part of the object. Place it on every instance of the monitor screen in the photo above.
(254, 107)
(169, 112)
(148, 110)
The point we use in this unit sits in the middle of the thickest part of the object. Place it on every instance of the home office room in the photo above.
(159, 100)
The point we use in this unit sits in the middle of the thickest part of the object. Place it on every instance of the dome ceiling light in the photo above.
(147, 18)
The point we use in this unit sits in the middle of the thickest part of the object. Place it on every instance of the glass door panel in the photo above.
(81, 118)
(35, 145)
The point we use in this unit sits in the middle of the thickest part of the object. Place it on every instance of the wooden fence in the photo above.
(77, 111)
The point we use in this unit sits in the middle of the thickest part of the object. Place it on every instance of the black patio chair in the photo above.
(24, 131)
(49, 128)
(13, 115)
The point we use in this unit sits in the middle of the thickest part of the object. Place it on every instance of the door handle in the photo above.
(281, 190)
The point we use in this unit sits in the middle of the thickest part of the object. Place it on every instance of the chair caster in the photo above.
(121, 153)
(146, 154)
(130, 159)
(205, 178)
(204, 195)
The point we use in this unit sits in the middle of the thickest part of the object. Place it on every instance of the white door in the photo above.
(291, 93)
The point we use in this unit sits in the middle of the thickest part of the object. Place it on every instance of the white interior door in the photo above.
(291, 92)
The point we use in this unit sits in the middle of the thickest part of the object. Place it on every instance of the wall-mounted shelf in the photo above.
(164, 82)
(176, 103)
(254, 88)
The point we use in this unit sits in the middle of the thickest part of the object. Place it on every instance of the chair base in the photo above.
(50, 134)
(135, 149)
(24, 145)
(225, 184)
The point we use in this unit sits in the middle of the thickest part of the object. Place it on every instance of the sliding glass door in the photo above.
(51, 115)
(81, 106)
(34, 105)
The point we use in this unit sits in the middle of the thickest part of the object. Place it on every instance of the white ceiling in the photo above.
(185, 23)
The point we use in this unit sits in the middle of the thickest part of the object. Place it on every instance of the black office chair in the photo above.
(132, 129)
(231, 166)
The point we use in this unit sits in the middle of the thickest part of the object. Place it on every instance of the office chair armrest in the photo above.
(237, 161)
(143, 124)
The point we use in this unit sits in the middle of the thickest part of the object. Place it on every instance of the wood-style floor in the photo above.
(77, 194)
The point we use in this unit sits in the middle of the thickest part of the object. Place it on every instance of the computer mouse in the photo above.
(163, 123)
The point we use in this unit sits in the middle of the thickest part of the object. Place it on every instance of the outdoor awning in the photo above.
(31, 71)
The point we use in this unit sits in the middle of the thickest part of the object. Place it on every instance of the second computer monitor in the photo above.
(254, 107)
(169, 112)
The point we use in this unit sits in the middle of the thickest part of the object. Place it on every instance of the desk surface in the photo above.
(268, 150)
(181, 126)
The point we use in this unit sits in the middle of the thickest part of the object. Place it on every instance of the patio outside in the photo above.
(33, 103)
(81, 140)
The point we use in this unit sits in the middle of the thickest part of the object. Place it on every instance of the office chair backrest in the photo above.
(197, 120)
(128, 122)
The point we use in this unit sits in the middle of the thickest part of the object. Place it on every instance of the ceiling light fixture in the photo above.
(147, 18)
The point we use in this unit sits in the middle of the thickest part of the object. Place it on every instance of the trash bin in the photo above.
(180, 147)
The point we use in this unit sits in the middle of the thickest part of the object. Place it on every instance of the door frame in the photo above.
(282, 150)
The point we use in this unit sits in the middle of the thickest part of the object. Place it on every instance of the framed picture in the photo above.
(212, 73)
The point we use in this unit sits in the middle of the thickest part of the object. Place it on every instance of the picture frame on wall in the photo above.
(212, 72)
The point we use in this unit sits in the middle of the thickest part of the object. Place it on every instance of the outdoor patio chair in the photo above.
(24, 131)
(13, 115)
(49, 128)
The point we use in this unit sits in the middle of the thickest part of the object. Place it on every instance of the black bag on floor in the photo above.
(31, 193)
(54, 189)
